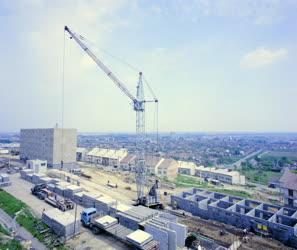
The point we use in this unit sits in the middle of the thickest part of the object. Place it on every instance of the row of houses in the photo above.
(159, 166)
(219, 174)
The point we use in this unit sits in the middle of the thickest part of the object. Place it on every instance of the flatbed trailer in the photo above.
(98, 223)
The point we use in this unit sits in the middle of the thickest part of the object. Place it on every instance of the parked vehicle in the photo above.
(37, 188)
(62, 204)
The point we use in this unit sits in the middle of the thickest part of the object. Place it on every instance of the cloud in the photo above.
(259, 12)
(262, 57)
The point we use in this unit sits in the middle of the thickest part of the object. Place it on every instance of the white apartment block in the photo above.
(54, 145)
(106, 157)
(222, 175)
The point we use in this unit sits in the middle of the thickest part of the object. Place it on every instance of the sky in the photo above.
(214, 65)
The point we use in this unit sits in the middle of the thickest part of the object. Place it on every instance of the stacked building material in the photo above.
(29, 177)
(132, 217)
(36, 178)
(46, 180)
(78, 197)
(4, 180)
(51, 187)
(60, 189)
(106, 221)
(56, 180)
(139, 238)
(159, 235)
(71, 190)
(88, 199)
(62, 223)
(118, 207)
(103, 204)
(24, 173)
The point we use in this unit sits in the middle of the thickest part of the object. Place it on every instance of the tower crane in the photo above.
(139, 107)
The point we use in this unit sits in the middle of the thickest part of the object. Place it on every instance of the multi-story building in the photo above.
(288, 186)
(106, 157)
(168, 168)
(55, 145)
(221, 174)
(186, 167)
(127, 163)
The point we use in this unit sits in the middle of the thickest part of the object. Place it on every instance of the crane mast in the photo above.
(139, 108)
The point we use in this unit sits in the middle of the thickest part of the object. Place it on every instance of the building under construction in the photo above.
(266, 219)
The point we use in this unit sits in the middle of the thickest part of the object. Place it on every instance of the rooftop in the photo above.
(289, 180)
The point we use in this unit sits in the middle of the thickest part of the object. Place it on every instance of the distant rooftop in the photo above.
(289, 180)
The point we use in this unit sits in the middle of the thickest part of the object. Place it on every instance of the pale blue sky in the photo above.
(215, 65)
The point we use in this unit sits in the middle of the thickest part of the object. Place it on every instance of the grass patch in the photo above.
(10, 204)
(239, 193)
(294, 171)
(188, 181)
(4, 230)
(29, 221)
(259, 176)
(11, 244)
(26, 218)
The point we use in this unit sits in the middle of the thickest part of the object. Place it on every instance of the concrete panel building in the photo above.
(168, 168)
(106, 156)
(218, 174)
(288, 186)
(266, 219)
(52, 144)
(127, 163)
(186, 167)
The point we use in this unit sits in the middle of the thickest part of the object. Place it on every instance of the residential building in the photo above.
(168, 168)
(186, 167)
(220, 174)
(128, 162)
(106, 157)
(152, 163)
(55, 145)
(288, 186)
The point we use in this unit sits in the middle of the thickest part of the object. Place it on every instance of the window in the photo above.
(290, 191)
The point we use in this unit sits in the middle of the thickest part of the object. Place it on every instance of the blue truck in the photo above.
(98, 223)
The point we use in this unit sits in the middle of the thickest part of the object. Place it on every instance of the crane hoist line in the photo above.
(139, 107)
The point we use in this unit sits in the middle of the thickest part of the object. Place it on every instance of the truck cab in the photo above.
(86, 216)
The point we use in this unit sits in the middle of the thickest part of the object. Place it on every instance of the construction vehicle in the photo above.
(37, 188)
(139, 107)
(43, 194)
(104, 223)
(62, 204)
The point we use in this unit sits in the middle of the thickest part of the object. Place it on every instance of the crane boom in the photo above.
(101, 65)
(139, 108)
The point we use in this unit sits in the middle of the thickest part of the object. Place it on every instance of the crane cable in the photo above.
(156, 116)
(62, 102)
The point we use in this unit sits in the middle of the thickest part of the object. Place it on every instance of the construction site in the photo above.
(86, 205)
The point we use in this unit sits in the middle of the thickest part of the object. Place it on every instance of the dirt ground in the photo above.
(211, 229)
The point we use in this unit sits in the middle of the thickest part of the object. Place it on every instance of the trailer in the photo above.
(62, 204)
(106, 224)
